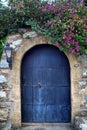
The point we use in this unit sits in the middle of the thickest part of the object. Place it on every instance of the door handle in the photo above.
(39, 85)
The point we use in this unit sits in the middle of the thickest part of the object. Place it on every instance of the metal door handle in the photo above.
(39, 85)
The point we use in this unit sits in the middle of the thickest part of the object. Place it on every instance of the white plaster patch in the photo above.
(17, 42)
(13, 37)
(4, 64)
(2, 94)
(82, 83)
(84, 73)
(2, 79)
(83, 126)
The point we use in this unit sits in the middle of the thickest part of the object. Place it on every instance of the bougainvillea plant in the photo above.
(65, 22)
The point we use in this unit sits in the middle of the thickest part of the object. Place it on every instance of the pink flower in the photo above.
(85, 39)
(76, 43)
(73, 10)
(77, 48)
(71, 35)
(85, 26)
(57, 44)
(73, 42)
(71, 50)
(58, 15)
(68, 38)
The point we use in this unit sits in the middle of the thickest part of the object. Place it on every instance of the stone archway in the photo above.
(15, 80)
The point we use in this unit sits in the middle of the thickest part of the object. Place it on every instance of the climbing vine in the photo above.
(65, 22)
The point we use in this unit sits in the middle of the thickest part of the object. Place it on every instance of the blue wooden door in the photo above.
(45, 86)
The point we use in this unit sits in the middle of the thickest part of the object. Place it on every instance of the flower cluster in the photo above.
(66, 25)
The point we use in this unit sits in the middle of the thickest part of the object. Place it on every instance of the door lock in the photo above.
(39, 85)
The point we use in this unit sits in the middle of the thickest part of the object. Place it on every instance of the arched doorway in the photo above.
(45, 86)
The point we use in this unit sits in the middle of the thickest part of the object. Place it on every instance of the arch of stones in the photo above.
(10, 88)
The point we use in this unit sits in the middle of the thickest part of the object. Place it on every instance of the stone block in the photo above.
(17, 42)
(80, 123)
(31, 34)
(22, 30)
(83, 91)
(0, 87)
(83, 126)
(2, 125)
(85, 98)
(6, 105)
(4, 64)
(84, 72)
(5, 72)
(13, 37)
(2, 94)
(82, 85)
(82, 58)
(2, 79)
(83, 112)
(7, 126)
(3, 114)
(4, 86)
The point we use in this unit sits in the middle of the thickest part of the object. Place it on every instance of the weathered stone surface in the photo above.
(83, 112)
(6, 105)
(3, 114)
(84, 126)
(82, 58)
(30, 34)
(7, 126)
(5, 72)
(83, 91)
(2, 125)
(0, 88)
(4, 86)
(78, 122)
(85, 98)
(4, 64)
(22, 30)
(82, 83)
(17, 42)
(2, 94)
(13, 37)
(2, 79)
(84, 73)
(81, 123)
(10, 89)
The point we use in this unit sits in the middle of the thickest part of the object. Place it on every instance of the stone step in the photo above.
(60, 127)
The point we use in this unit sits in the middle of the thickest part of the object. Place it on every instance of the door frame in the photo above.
(27, 63)
(75, 74)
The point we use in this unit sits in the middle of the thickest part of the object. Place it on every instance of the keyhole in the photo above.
(39, 85)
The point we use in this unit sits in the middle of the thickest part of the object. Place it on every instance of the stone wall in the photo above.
(81, 119)
(10, 102)
(5, 92)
